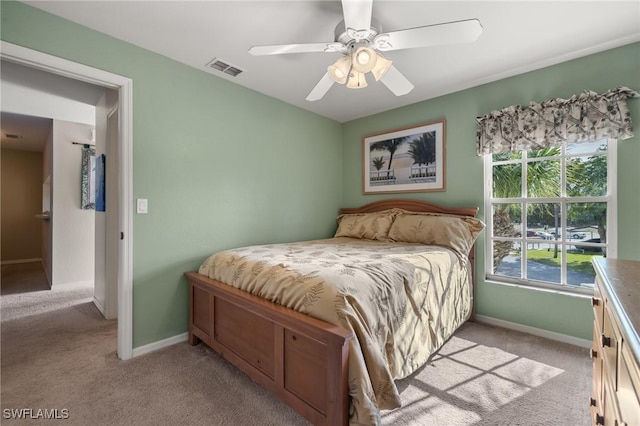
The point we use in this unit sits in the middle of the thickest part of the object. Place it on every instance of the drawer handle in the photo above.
(599, 419)
(606, 341)
(594, 301)
(594, 353)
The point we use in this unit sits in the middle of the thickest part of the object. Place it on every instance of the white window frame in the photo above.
(612, 217)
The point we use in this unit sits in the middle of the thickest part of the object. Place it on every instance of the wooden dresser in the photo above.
(615, 397)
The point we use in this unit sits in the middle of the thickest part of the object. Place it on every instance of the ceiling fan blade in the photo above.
(396, 82)
(280, 49)
(432, 35)
(357, 14)
(321, 88)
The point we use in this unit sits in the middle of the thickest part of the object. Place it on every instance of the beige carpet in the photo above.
(65, 359)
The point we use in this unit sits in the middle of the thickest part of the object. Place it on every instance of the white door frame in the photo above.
(54, 65)
(112, 224)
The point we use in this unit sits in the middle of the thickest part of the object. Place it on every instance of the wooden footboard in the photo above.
(300, 359)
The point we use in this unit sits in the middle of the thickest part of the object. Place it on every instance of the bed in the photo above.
(328, 325)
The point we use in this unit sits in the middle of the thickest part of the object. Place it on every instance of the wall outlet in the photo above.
(142, 206)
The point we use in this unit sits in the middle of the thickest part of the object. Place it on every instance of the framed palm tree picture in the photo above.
(405, 160)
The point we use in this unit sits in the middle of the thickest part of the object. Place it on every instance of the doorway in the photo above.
(123, 216)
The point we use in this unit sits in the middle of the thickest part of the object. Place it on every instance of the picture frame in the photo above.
(410, 159)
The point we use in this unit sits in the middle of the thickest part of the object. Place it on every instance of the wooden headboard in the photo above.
(411, 205)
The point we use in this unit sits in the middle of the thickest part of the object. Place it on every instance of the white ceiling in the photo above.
(518, 36)
(31, 98)
(29, 133)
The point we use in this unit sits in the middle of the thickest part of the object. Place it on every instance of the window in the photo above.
(549, 211)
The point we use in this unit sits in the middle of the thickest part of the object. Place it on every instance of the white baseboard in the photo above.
(13, 262)
(533, 330)
(72, 285)
(169, 341)
(99, 306)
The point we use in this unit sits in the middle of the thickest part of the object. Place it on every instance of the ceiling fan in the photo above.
(359, 39)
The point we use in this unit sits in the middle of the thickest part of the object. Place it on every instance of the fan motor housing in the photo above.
(346, 37)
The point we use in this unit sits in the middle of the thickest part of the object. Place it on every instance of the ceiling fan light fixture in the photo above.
(357, 80)
(339, 70)
(359, 39)
(381, 67)
(364, 59)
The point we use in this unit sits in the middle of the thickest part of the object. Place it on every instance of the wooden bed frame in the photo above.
(300, 359)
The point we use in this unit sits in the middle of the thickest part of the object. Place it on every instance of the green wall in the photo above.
(221, 165)
(224, 166)
(464, 171)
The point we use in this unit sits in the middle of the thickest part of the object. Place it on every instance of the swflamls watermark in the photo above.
(35, 413)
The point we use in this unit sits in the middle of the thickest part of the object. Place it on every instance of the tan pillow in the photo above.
(456, 232)
(370, 226)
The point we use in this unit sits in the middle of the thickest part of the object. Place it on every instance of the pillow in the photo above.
(370, 226)
(456, 232)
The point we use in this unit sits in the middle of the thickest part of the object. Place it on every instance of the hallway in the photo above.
(25, 292)
(22, 278)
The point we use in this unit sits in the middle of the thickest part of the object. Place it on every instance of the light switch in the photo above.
(143, 206)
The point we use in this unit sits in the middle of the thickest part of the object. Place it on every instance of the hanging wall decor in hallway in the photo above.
(88, 178)
(100, 182)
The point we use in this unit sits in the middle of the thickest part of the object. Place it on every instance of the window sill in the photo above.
(580, 292)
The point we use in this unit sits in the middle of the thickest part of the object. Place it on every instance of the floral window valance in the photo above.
(581, 118)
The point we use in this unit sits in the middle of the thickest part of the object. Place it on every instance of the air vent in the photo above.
(224, 67)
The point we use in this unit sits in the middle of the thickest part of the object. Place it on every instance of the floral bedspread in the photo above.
(401, 301)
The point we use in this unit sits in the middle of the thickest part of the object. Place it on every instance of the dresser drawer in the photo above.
(596, 356)
(628, 387)
(611, 409)
(596, 390)
(609, 342)
(597, 301)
